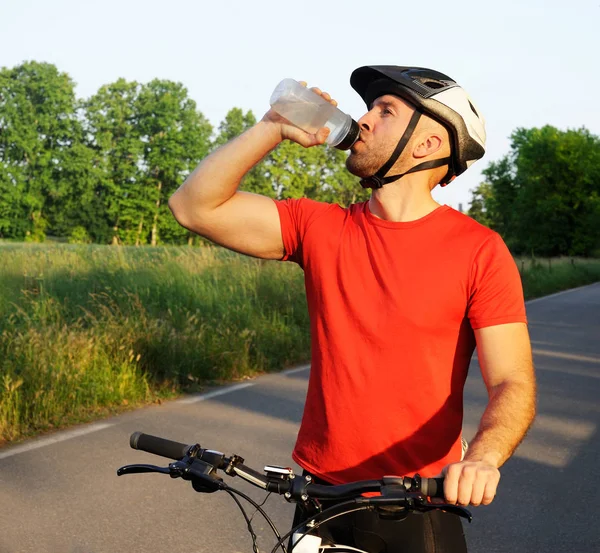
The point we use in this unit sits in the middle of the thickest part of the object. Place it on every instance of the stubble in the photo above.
(365, 160)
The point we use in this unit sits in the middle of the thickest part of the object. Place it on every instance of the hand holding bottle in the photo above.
(313, 113)
(295, 134)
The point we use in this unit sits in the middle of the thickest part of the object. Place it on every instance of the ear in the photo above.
(428, 145)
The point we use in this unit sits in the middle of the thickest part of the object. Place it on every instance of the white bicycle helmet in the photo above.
(436, 95)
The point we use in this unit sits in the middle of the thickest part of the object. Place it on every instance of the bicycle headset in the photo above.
(436, 95)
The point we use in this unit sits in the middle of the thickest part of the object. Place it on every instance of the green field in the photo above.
(90, 330)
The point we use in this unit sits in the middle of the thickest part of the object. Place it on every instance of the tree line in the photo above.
(102, 169)
(543, 197)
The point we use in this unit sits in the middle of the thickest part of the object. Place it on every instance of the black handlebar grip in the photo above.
(158, 446)
(433, 487)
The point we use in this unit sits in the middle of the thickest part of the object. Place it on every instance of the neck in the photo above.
(403, 201)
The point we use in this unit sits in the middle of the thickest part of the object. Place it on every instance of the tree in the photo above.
(480, 208)
(234, 124)
(40, 148)
(340, 186)
(543, 196)
(493, 202)
(123, 204)
(318, 173)
(103, 169)
(559, 174)
(175, 138)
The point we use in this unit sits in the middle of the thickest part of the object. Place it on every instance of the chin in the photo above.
(356, 168)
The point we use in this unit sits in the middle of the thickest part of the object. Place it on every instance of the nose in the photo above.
(366, 122)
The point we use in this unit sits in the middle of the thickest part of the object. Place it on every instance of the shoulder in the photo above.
(304, 212)
(307, 205)
(470, 234)
(467, 224)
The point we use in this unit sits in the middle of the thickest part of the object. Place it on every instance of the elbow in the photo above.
(173, 204)
(187, 214)
(177, 207)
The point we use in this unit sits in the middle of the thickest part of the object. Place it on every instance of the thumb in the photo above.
(307, 139)
(322, 134)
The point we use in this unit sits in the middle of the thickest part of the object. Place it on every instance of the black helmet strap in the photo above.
(379, 179)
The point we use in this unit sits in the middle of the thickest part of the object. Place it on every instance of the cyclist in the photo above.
(400, 291)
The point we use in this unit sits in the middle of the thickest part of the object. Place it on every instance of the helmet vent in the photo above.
(473, 108)
(429, 83)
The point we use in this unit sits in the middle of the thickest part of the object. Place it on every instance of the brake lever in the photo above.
(139, 469)
(411, 501)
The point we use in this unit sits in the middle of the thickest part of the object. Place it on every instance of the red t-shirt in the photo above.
(392, 309)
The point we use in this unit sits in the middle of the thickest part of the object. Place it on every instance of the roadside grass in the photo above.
(91, 330)
(544, 276)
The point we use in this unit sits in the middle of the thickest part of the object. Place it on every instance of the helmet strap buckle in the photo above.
(375, 182)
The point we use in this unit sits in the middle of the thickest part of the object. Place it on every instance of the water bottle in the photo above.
(310, 112)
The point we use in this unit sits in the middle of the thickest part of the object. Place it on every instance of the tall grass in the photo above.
(91, 328)
(543, 276)
(86, 330)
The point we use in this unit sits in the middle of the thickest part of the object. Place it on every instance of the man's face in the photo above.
(380, 130)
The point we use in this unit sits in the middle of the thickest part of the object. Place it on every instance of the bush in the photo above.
(79, 235)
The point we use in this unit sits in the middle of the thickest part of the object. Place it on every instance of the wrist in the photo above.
(271, 130)
(492, 458)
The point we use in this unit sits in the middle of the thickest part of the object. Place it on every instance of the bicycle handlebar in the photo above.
(158, 446)
(430, 487)
(397, 495)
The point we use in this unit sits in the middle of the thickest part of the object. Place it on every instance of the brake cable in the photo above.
(316, 525)
(261, 505)
(260, 510)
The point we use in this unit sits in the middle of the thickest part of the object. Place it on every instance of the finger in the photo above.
(322, 135)
(465, 484)
(451, 473)
(306, 139)
(489, 493)
(327, 97)
(324, 95)
(478, 490)
(318, 138)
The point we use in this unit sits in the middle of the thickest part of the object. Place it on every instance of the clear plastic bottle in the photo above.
(310, 112)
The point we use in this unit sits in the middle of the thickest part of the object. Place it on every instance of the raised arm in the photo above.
(504, 353)
(210, 204)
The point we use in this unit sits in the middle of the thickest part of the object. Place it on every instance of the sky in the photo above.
(525, 64)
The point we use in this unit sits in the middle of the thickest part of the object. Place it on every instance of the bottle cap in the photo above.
(350, 138)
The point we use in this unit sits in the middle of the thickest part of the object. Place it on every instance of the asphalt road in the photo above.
(60, 493)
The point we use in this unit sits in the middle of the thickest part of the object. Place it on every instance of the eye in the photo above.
(386, 111)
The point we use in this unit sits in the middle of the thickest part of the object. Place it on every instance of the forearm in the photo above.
(504, 423)
(218, 177)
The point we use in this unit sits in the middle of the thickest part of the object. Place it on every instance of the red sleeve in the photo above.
(496, 289)
(295, 217)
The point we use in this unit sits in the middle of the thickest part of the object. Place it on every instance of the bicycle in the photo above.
(398, 497)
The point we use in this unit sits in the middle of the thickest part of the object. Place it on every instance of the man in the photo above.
(400, 291)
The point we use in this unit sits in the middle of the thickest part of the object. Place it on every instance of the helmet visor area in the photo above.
(423, 82)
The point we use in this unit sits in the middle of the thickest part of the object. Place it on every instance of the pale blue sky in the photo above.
(524, 64)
